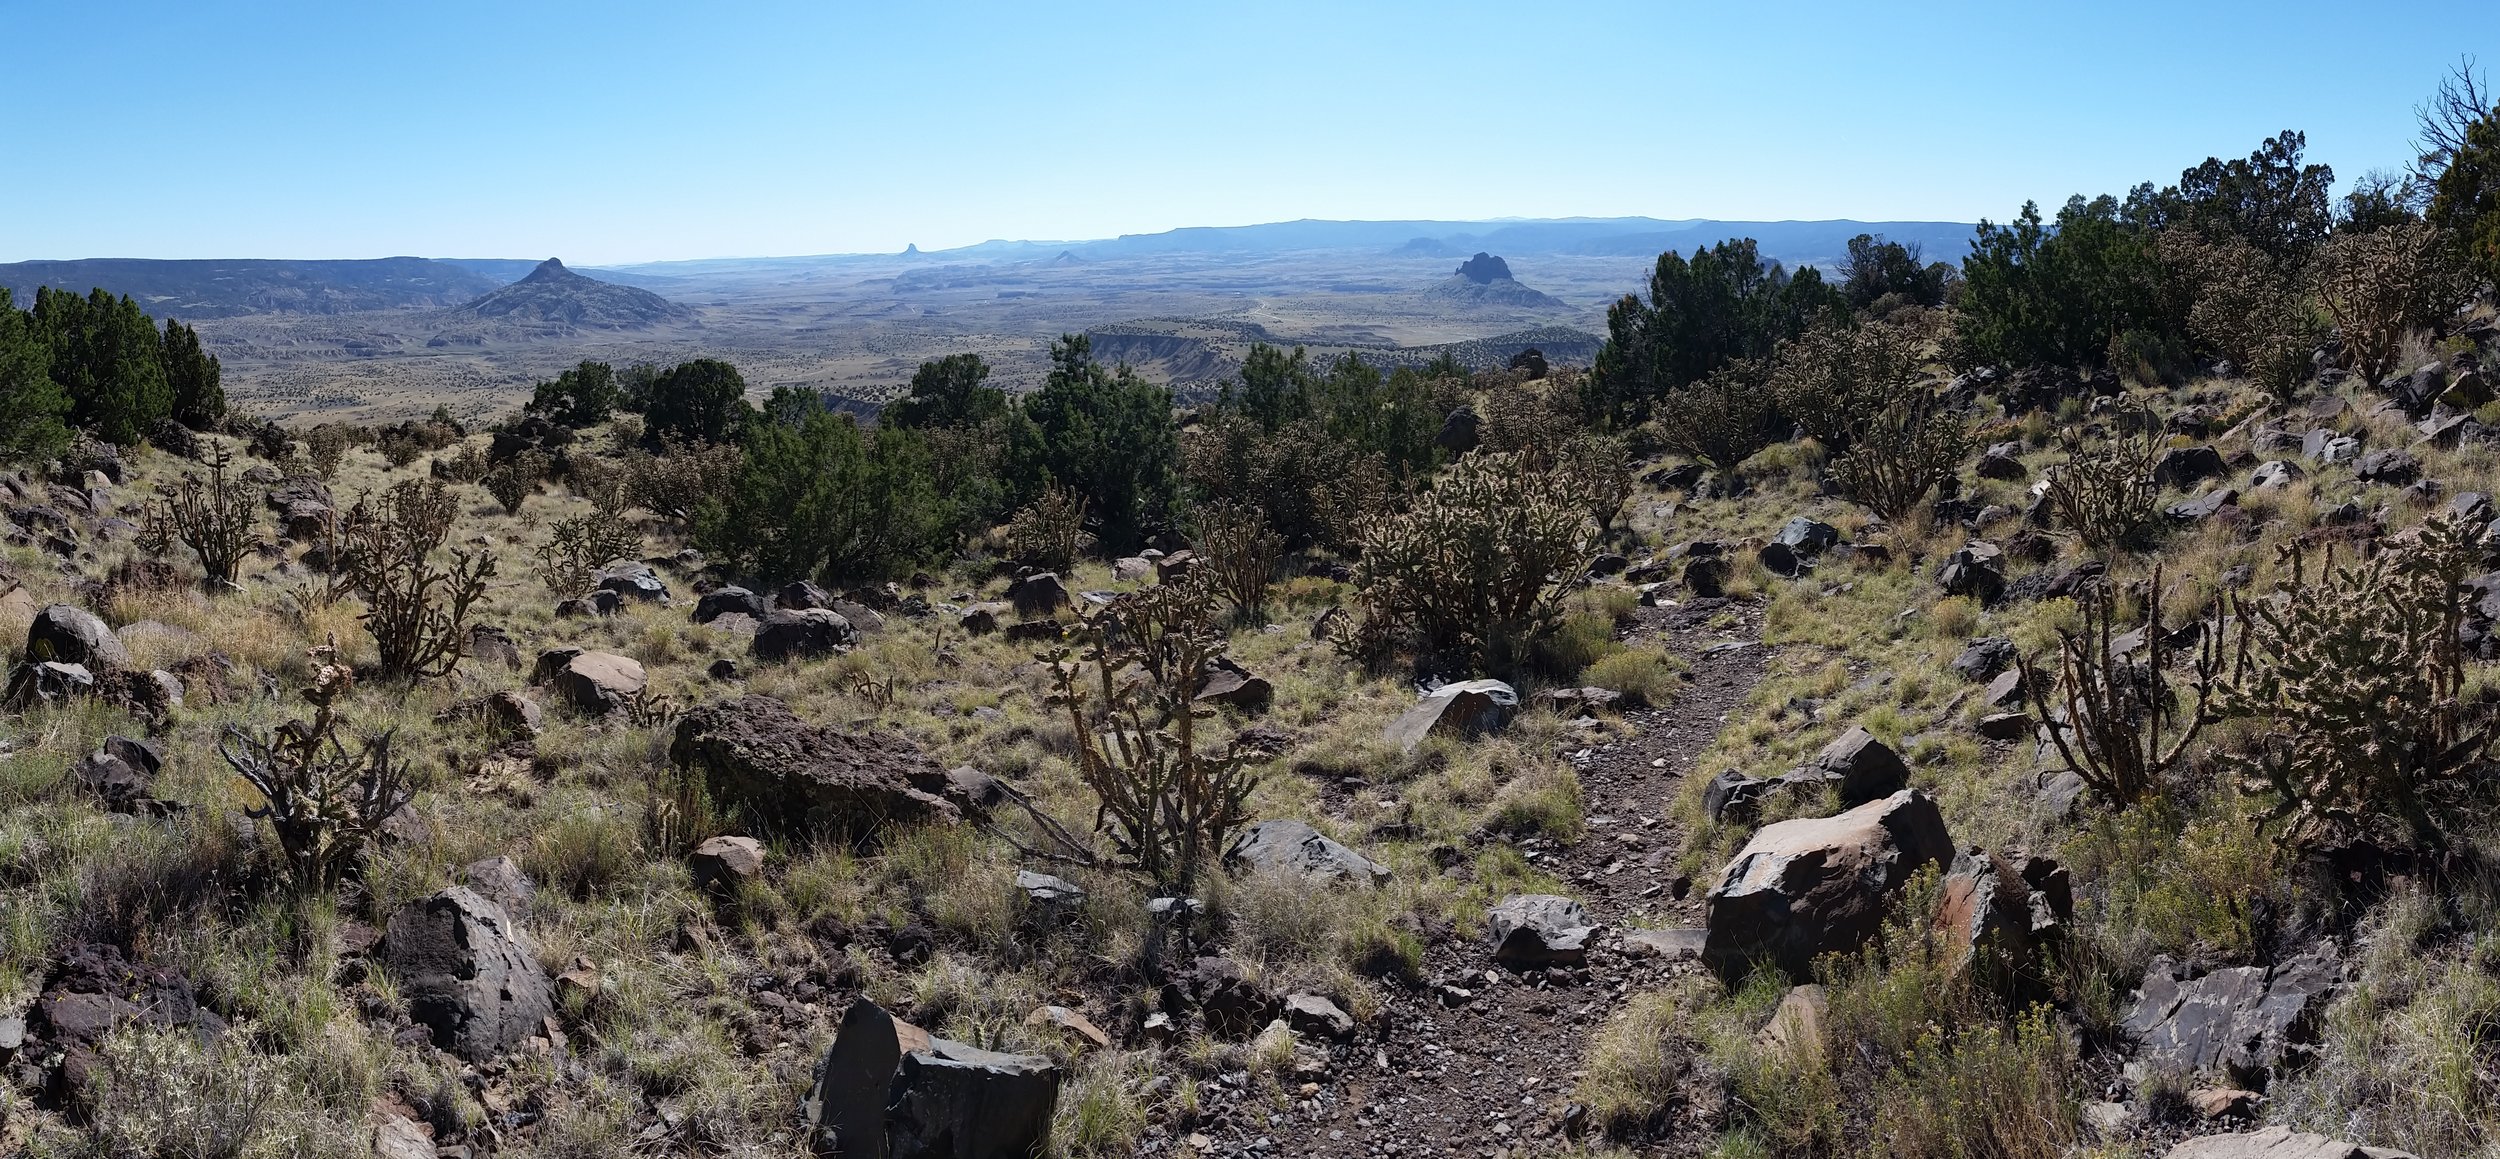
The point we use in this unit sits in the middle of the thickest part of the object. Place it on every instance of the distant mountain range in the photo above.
(229, 288)
(225, 288)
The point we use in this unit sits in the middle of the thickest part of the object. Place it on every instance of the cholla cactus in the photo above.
(2105, 494)
(2360, 679)
(1050, 534)
(1911, 446)
(324, 802)
(216, 517)
(2112, 714)
(1242, 552)
(2382, 285)
(1481, 563)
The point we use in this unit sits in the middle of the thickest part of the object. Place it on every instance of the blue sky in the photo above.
(618, 132)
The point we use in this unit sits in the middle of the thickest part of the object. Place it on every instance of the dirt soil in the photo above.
(1481, 1060)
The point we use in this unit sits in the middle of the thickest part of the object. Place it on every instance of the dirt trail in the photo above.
(1480, 1060)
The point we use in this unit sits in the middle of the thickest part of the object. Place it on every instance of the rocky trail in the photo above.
(1483, 1058)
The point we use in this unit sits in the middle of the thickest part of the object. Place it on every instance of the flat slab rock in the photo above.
(1467, 708)
(1293, 848)
(2279, 1143)
(2245, 1020)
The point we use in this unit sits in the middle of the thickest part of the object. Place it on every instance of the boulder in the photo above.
(2277, 1143)
(73, 635)
(1039, 595)
(1294, 848)
(1820, 885)
(2182, 467)
(119, 774)
(1230, 683)
(594, 682)
(1784, 561)
(1984, 657)
(762, 762)
(1466, 708)
(506, 712)
(2325, 447)
(466, 974)
(720, 602)
(1459, 431)
(720, 863)
(1806, 537)
(1975, 571)
(2003, 463)
(1532, 931)
(2245, 1021)
(808, 632)
(48, 682)
(978, 620)
(890, 1090)
(1129, 569)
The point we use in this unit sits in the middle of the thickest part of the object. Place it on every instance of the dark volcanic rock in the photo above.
(890, 1090)
(786, 775)
(467, 975)
(1812, 886)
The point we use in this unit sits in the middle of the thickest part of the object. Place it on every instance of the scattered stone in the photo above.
(978, 620)
(2003, 462)
(1293, 848)
(2005, 725)
(1807, 537)
(507, 712)
(1232, 1004)
(2205, 506)
(466, 974)
(1808, 887)
(1129, 569)
(761, 761)
(500, 880)
(1796, 1027)
(595, 682)
(721, 863)
(1532, 931)
(890, 1090)
(1467, 708)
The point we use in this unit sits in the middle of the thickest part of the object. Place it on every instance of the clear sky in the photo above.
(615, 132)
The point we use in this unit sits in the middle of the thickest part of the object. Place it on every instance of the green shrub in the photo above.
(1480, 565)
